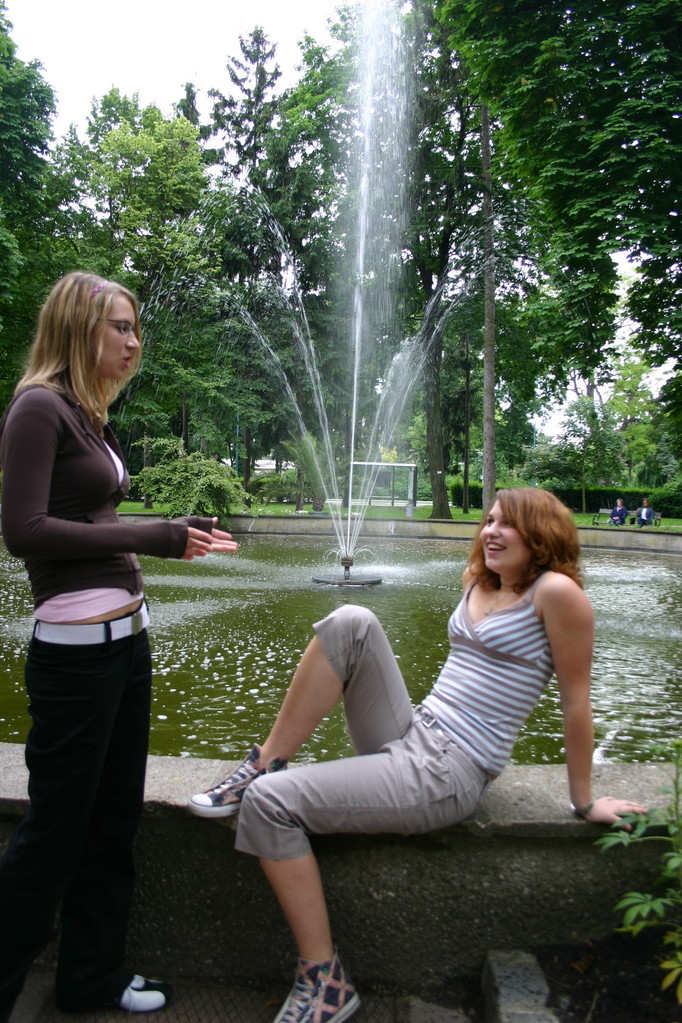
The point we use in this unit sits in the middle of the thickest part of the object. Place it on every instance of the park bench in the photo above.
(604, 514)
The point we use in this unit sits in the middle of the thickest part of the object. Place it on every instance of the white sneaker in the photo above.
(144, 995)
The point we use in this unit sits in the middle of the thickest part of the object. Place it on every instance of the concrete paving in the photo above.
(513, 987)
(192, 1003)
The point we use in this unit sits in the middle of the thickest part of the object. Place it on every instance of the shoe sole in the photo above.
(214, 811)
(351, 1007)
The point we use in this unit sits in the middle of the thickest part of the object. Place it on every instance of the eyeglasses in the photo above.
(124, 327)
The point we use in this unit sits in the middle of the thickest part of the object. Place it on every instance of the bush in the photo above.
(423, 487)
(456, 488)
(642, 910)
(668, 499)
(192, 485)
(275, 487)
(664, 499)
(597, 497)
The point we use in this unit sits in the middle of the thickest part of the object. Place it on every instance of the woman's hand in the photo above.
(199, 543)
(607, 810)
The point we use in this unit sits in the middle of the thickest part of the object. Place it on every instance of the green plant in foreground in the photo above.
(640, 910)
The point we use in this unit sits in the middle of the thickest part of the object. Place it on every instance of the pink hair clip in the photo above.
(98, 287)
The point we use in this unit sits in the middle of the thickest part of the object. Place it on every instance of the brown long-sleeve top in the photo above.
(59, 497)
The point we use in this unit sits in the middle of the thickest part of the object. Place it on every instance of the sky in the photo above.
(152, 47)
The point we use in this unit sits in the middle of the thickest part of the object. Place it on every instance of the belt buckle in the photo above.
(137, 622)
(428, 720)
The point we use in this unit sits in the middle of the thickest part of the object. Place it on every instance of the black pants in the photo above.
(86, 753)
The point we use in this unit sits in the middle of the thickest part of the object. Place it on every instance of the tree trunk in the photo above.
(467, 416)
(146, 462)
(434, 431)
(185, 427)
(489, 318)
(246, 466)
(300, 491)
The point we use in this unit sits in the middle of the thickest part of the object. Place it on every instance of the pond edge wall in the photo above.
(410, 914)
(654, 539)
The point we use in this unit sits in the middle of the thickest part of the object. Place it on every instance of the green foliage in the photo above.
(668, 499)
(313, 473)
(191, 484)
(243, 123)
(456, 493)
(588, 96)
(642, 910)
(595, 497)
(141, 174)
(27, 103)
(132, 200)
(275, 487)
(587, 452)
(27, 208)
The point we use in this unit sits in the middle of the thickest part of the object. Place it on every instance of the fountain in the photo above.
(381, 174)
(347, 562)
(226, 640)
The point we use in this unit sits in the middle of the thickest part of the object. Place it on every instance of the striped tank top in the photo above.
(495, 673)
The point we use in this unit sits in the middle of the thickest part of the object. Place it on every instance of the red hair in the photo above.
(547, 529)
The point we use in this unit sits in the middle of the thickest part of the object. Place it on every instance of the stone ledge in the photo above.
(654, 541)
(530, 801)
(412, 915)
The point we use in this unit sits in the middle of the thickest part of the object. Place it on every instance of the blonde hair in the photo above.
(547, 529)
(68, 342)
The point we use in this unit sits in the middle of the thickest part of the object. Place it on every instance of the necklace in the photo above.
(493, 603)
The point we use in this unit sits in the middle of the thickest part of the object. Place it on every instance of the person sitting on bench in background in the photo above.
(617, 516)
(645, 514)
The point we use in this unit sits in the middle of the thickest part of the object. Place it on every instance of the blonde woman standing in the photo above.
(88, 665)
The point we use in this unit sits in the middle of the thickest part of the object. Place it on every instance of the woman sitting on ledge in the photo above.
(523, 616)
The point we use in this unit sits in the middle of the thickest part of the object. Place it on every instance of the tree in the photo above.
(444, 208)
(647, 449)
(465, 221)
(144, 173)
(242, 121)
(588, 96)
(191, 484)
(489, 317)
(590, 443)
(140, 182)
(27, 104)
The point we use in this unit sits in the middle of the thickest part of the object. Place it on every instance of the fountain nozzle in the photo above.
(345, 579)
(347, 563)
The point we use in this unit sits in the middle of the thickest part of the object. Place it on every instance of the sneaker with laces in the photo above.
(322, 992)
(225, 799)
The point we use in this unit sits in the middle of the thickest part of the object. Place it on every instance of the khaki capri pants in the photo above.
(406, 779)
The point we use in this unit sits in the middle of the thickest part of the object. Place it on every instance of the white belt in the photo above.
(98, 632)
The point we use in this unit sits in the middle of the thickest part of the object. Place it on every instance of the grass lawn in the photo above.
(383, 512)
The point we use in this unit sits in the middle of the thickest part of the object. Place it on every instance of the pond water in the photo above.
(227, 632)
